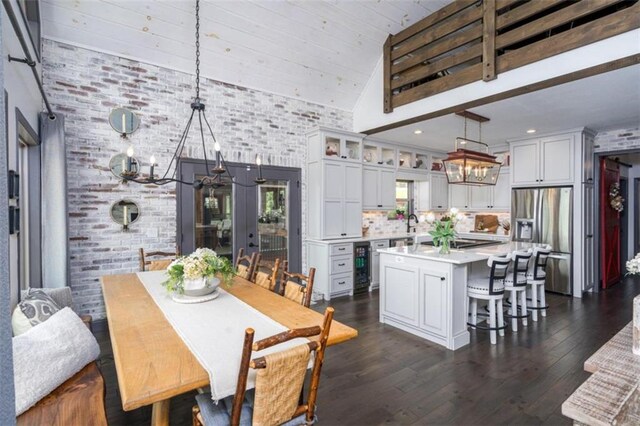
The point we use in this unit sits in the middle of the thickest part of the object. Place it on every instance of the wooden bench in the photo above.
(78, 401)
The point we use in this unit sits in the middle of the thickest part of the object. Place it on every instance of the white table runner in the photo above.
(214, 332)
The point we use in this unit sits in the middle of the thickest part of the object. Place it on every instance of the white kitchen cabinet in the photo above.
(555, 160)
(379, 154)
(492, 197)
(459, 196)
(480, 197)
(378, 188)
(502, 192)
(334, 199)
(334, 267)
(334, 145)
(543, 161)
(587, 156)
(438, 192)
(433, 293)
(375, 261)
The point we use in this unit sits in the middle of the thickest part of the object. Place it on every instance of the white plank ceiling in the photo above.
(318, 51)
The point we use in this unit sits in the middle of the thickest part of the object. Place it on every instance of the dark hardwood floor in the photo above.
(387, 376)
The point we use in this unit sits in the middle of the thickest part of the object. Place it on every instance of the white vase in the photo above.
(201, 286)
(636, 325)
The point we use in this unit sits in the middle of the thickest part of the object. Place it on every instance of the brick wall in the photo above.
(85, 85)
(618, 140)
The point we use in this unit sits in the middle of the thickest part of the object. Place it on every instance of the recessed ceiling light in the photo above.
(531, 131)
(417, 131)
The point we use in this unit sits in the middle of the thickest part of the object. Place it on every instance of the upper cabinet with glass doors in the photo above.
(377, 154)
(336, 145)
(413, 160)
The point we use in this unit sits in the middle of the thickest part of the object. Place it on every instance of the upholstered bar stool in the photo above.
(516, 284)
(491, 289)
(536, 278)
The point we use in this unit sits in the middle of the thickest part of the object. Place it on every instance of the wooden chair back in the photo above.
(295, 286)
(147, 264)
(280, 375)
(267, 277)
(246, 265)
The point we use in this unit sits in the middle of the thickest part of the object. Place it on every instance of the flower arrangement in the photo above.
(615, 199)
(204, 263)
(444, 230)
(633, 265)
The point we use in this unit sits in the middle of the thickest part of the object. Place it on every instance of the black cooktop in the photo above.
(462, 243)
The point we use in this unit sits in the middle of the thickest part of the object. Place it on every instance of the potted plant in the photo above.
(444, 230)
(195, 275)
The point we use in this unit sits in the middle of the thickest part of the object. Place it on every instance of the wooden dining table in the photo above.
(152, 362)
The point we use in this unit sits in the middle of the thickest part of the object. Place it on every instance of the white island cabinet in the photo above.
(425, 293)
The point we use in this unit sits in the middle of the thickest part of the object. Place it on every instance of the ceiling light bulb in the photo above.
(258, 160)
(152, 160)
(417, 131)
(216, 146)
(130, 151)
(531, 131)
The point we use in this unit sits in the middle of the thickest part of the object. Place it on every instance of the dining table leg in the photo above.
(160, 413)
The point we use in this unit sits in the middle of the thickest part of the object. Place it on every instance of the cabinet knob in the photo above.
(340, 264)
(343, 156)
(379, 205)
(380, 162)
(439, 207)
(442, 278)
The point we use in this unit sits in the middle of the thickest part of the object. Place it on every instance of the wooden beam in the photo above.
(473, 116)
(617, 23)
(438, 31)
(545, 84)
(473, 32)
(418, 72)
(430, 20)
(488, 40)
(564, 16)
(501, 4)
(386, 70)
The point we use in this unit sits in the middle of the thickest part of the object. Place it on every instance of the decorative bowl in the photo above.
(200, 287)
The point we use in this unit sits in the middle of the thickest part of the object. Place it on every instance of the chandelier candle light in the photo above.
(469, 167)
(218, 175)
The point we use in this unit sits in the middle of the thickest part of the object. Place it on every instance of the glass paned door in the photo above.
(273, 220)
(213, 209)
(265, 218)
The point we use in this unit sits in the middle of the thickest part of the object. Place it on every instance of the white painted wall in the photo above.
(23, 93)
(368, 112)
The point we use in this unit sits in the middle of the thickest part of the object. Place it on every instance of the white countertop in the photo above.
(422, 236)
(458, 257)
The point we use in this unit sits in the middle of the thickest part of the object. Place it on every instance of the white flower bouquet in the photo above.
(202, 265)
(633, 265)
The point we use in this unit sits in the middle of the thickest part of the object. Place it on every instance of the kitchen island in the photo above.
(425, 293)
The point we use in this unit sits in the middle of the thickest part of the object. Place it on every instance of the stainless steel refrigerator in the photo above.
(545, 216)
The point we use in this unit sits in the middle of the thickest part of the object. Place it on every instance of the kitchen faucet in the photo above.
(409, 222)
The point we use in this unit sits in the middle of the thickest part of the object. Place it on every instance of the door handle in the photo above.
(251, 245)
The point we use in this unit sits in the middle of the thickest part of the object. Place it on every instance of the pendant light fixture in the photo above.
(217, 172)
(470, 167)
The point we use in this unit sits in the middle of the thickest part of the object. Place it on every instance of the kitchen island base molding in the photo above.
(427, 298)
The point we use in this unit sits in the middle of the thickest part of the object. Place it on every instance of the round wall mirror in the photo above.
(124, 121)
(125, 212)
(123, 163)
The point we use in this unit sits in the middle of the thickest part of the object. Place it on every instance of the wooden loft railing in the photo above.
(470, 40)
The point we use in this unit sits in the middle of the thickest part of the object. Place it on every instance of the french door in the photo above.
(265, 218)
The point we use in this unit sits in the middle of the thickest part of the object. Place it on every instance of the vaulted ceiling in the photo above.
(318, 51)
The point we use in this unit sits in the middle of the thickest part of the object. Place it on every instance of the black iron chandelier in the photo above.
(218, 174)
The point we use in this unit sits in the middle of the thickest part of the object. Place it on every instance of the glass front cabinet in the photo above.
(334, 145)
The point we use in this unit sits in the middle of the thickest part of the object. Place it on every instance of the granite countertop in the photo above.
(458, 256)
(422, 236)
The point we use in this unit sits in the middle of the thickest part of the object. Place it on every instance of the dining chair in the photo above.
(279, 382)
(156, 264)
(300, 291)
(246, 265)
(267, 277)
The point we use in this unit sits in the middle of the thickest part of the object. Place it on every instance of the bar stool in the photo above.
(491, 289)
(536, 278)
(516, 285)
